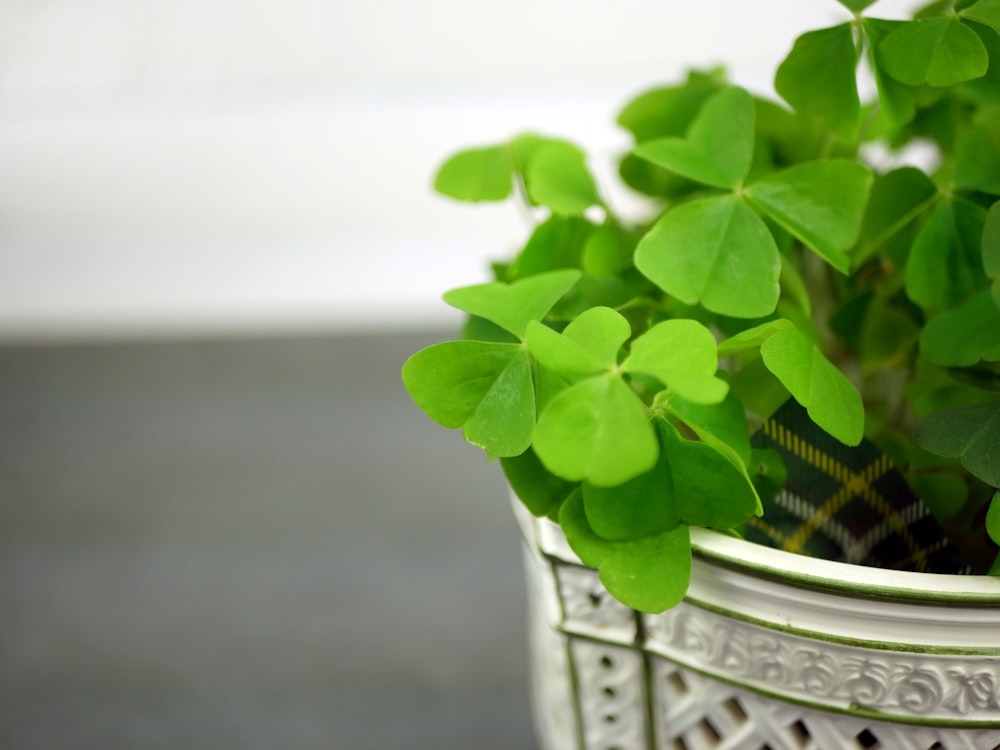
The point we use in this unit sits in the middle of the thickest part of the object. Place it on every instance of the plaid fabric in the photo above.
(846, 504)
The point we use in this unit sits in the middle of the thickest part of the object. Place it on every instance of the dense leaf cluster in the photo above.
(618, 370)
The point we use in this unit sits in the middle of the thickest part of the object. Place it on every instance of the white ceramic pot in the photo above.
(768, 650)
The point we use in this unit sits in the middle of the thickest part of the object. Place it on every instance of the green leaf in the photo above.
(985, 91)
(724, 423)
(557, 177)
(830, 398)
(991, 242)
(668, 111)
(818, 79)
(711, 490)
(821, 202)
(718, 149)
(548, 385)
(964, 335)
(589, 345)
(759, 390)
(934, 8)
(895, 98)
(540, 490)
(602, 332)
(752, 338)
(648, 179)
(993, 519)
(480, 329)
(650, 574)
(560, 354)
(986, 12)
(554, 244)
(714, 251)
(596, 430)
(524, 146)
(945, 264)
(887, 334)
(681, 354)
(640, 507)
(977, 162)
(856, 6)
(792, 138)
(484, 388)
(937, 51)
(477, 174)
(793, 286)
(969, 433)
(513, 306)
(608, 250)
(897, 198)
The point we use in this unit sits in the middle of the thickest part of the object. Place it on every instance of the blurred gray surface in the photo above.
(249, 544)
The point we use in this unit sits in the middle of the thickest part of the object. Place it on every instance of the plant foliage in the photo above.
(618, 368)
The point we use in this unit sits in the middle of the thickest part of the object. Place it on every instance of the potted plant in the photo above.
(807, 320)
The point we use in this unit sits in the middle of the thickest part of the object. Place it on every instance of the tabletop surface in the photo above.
(250, 543)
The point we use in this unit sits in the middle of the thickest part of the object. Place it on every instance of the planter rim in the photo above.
(886, 610)
(859, 581)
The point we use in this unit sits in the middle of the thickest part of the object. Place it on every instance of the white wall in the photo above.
(194, 166)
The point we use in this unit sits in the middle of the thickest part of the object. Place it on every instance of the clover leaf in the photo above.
(818, 79)
(993, 519)
(650, 574)
(895, 99)
(991, 250)
(964, 335)
(897, 198)
(977, 162)
(557, 176)
(752, 338)
(710, 489)
(642, 506)
(670, 110)
(938, 51)
(821, 202)
(682, 355)
(556, 243)
(715, 251)
(554, 172)
(513, 306)
(986, 12)
(486, 387)
(718, 148)
(970, 433)
(856, 6)
(831, 400)
(991, 242)
(723, 424)
(483, 387)
(477, 174)
(597, 430)
(587, 346)
(945, 264)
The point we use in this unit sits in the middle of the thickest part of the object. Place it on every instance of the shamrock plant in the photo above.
(618, 369)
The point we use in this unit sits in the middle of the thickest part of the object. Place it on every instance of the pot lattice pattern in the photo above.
(607, 678)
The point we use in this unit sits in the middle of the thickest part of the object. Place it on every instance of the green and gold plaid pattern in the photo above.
(847, 504)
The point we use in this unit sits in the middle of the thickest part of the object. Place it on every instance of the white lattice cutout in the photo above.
(695, 712)
(611, 690)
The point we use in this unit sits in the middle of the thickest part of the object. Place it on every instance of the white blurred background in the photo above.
(225, 166)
